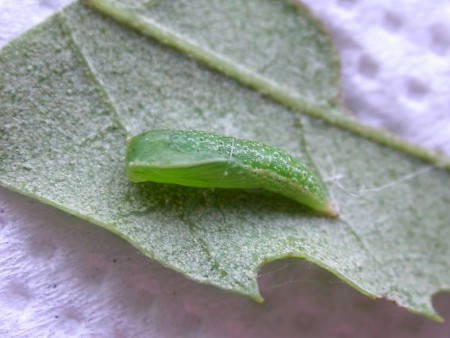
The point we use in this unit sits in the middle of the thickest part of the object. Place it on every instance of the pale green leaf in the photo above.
(74, 88)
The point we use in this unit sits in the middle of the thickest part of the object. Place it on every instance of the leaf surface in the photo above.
(73, 89)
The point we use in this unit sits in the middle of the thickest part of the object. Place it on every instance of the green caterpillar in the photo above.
(205, 160)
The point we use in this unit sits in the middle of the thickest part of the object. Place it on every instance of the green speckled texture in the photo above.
(227, 32)
(201, 159)
(74, 88)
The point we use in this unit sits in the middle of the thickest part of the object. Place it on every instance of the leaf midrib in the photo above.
(262, 84)
(108, 100)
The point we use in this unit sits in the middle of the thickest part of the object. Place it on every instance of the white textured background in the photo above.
(61, 277)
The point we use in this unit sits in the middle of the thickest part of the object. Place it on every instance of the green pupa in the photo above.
(200, 159)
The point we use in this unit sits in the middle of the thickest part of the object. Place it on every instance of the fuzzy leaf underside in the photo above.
(73, 89)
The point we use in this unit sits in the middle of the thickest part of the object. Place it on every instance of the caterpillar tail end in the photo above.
(331, 211)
